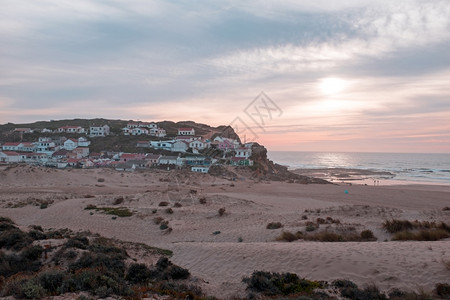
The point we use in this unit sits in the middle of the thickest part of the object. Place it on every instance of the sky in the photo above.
(294, 75)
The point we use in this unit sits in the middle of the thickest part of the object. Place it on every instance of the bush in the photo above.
(37, 235)
(77, 242)
(368, 235)
(32, 253)
(273, 284)
(422, 235)
(169, 211)
(344, 283)
(177, 204)
(51, 281)
(287, 236)
(43, 205)
(164, 225)
(310, 226)
(274, 225)
(158, 220)
(138, 273)
(165, 270)
(119, 211)
(6, 220)
(394, 226)
(325, 237)
(443, 290)
(221, 211)
(90, 206)
(118, 200)
(163, 203)
(32, 290)
(101, 180)
(14, 239)
(202, 200)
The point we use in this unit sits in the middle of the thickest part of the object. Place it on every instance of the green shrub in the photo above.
(118, 200)
(287, 236)
(344, 283)
(119, 211)
(273, 284)
(37, 235)
(14, 239)
(138, 273)
(165, 270)
(90, 206)
(310, 226)
(32, 253)
(221, 211)
(443, 290)
(422, 235)
(77, 242)
(51, 281)
(274, 225)
(394, 226)
(368, 235)
(32, 290)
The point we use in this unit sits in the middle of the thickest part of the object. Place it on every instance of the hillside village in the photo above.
(186, 149)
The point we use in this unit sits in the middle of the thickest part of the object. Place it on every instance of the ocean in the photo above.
(419, 167)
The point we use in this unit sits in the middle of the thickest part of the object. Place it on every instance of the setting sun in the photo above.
(332, 85)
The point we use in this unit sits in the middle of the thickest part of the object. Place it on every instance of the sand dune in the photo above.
(244, 244)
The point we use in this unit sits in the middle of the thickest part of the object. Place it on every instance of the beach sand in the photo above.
(244, 244)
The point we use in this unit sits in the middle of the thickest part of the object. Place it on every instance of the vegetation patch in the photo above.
(404, 230)
(327, 236)
(274, 225)
(116, 211)
(84, 263)
(275, 284)
(422, 235)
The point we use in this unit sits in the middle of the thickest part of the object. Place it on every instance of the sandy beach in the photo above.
(221, 249)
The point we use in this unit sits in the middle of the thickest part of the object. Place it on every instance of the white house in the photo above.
(168, 160)
(11, 146)
(81, 152)
(139, 131)
(152, 159)
(99, 130)
(150, 125)
(23, 130)
(243, 152)
(46, 145)
(198, 144)
(165, 145)
(200, 169)
(179, 146)
(159, 132)
(83, 142)
(36, 158)
(24, 147)
(71, 129)
(11, 157)
(70, 144)
(186, 131)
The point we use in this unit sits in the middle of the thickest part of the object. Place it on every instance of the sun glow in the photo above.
(332, 85)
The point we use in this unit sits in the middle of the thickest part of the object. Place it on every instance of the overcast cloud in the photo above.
(206, 60)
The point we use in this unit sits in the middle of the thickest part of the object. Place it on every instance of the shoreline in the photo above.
(369, 177)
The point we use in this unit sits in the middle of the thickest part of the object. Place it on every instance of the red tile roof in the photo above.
(11, 144)
(186, 129)
(11, 153)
